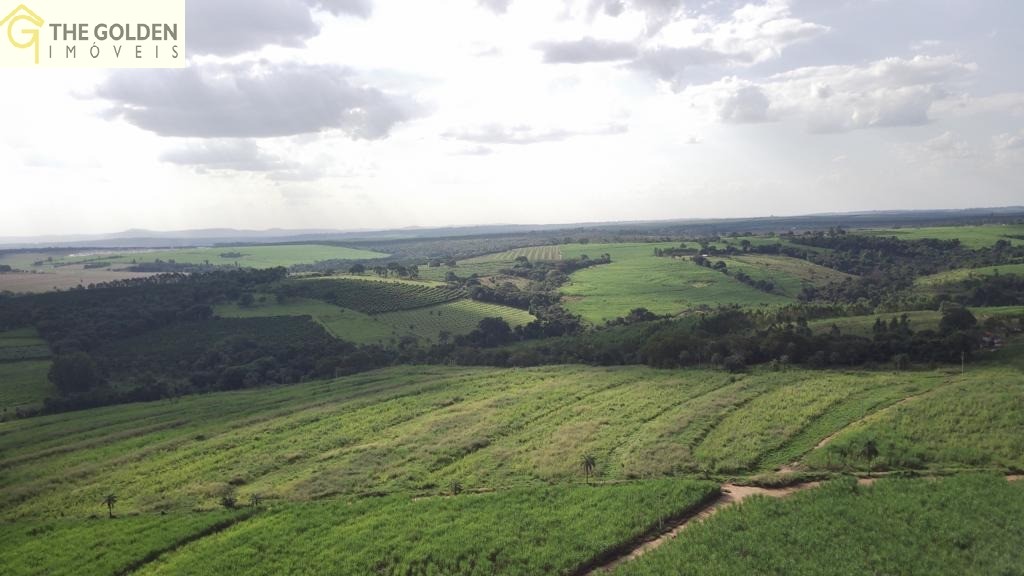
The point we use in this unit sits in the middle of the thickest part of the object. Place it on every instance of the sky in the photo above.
(370, 114)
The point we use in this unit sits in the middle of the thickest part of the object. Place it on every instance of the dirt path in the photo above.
(877, 413)
(731, 494)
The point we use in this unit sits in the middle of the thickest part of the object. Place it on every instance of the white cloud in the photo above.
(525, 134)
(949, 145)
(830, 99)
(744, 104)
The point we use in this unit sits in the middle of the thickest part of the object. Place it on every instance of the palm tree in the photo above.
(870, 451)
(588, 463)
(110, 500)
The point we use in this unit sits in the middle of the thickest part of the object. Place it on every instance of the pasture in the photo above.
(637, 278)
(428, 323)
(935, 281)
(789, 275)
(973, 237)
(24, 364)
(251, 256)
(919, 319)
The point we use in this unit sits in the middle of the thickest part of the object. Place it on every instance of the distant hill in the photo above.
(138, 238)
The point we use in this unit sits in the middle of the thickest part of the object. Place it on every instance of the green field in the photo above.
(919, 320)
(789, 275)
(254, 256)
(973, 237)
(420, 428)
(636, 277)
(455, 318)
(24, 364)
(948, 527)
(23, 384)
(465, 269)
(936, 280)
(533, 254)
(373, 296)
(318, 454)
(73, 546)
(954, 425)
(547, 530)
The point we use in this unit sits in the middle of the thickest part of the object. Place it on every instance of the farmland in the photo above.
(254, 256)
(416, 431)
(58, 546)
(971, 236)
(952, 526)
(936, 280)
(636, 277)
(373, 297)
(533, 254)
(550, 530)
(788, 275)
(44, 272)
(420, 428)
(919, 319)
(24, 363)
(455, 318)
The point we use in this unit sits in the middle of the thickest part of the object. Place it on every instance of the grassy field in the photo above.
(63, 278)
(789, 275)
(353, 471)
(24, 364)
(455, 318)
(636, 277)
(73, 546)
(919, 320)
(954, 526)
(533, 254)
(935, 280)
(972, 425)
(465, 269)
(417, 429)
(970, 236)
(58, 271)
(255, 256)
(374, 296)
(23, 384)
(549, 530)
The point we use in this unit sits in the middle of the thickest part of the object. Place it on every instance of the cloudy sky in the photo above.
(389, 113)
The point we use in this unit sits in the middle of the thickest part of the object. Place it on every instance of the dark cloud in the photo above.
(216, 155)
(252, 100)
(586, 50)
(229, 27)
(524, 134)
